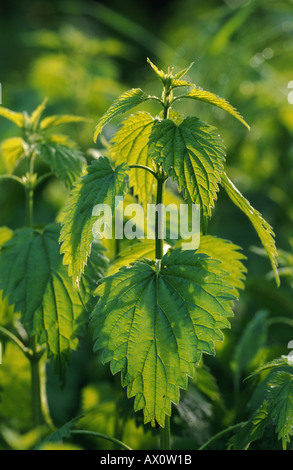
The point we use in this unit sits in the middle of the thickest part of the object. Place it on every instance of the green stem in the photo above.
(144, 167)
(8, 334)
(158, 236)
(29, 200)
(221, 433)
(43, 178)
(13, 178)
(38, 390)
(36, 384)
(165, 435)
(102, 436)
(43, 393)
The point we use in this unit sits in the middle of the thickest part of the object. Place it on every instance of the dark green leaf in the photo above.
(37, 284)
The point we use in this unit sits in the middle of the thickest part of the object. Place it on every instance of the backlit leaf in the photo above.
(153, 324)
(37, 114)
(130, 144)
(230, 256)
(53, 121)
(208, 97)
(13, 150)
(263, 229)
(125, 102)
(194, 153)
(67, 162)
(17, 118)
(99, 185)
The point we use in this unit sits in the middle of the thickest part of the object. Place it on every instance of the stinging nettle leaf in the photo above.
(194, 153)
(17, 118)
(208, 97)
(53, 121)
(99, 185)
(13, 150)
(37, 114)
(154, 324)
(125, 102)
(230, 257)
(142, 249)
(280, 397)
(37, 284)
(66, 161)
(263, 229)
(130, 144)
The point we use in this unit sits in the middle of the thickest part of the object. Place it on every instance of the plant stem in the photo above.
(144, 167)
(13, 178)
(36, 384)
(35, 357)
(158, 223)
(102, 436)
(8, 334)
(29, 200)
(165, 435)
(221, 433)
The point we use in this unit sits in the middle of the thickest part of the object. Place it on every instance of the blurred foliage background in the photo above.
(82, 54)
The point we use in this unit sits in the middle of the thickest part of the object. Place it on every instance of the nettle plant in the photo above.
(155, 317)
(160, 307)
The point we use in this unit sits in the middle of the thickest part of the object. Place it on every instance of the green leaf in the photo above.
(252, 340)
(37, 114)
(194, 153)
(53, 121)
(230, 257)
(142, 249)
(37, 284)
(99, 185)
(153, 324)
(5, 235)
(208, 97)
(252, 430)
(95, 270)
(13, 150)
(125, 102)
(283, 361)
(67, 162)
(182, 72)
(157, 71)
(130, 144)
(280, 397)
(169, 78)
(60, 434)
(17, 118)
(263, 229)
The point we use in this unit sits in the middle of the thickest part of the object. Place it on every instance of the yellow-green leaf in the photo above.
(208, 97)
(17, 118)
(261, 226)
(154, 321)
